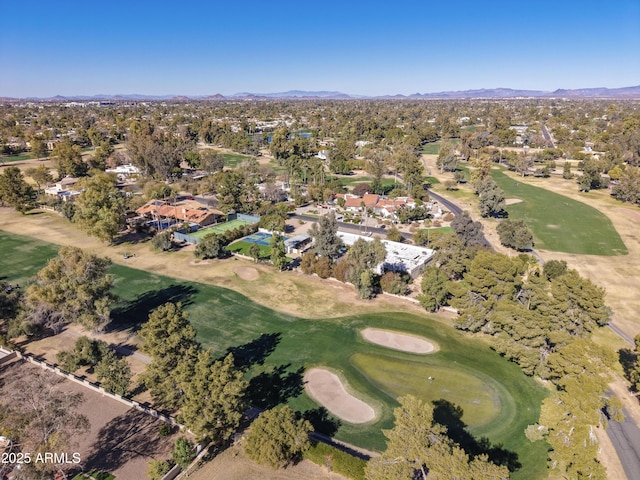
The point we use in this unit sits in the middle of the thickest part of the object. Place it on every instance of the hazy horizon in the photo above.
(360, 48)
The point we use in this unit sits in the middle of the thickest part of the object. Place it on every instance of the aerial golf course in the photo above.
(463, 375)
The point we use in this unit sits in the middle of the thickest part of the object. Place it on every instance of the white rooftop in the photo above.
(400, 256)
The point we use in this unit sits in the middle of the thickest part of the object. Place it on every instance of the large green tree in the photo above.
(170, 340)
(434, 288)
(114, 374)
(419, 448)
(490, 278)
(515, 234)
(214, 398)
(211, 246)
(363, 257)
(278, 252)
(38, 147)
(73, 287)
(183, 452)
(447, 159)
(233, 193)
(67, 158)
(277, 438)
(628, 187)
(14, 190)
(568, 419)
(101, 207)
(468, 231)
(157, 154)
(40, 174)
(325, 238)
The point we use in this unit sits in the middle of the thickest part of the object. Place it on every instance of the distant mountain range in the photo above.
(496, 93)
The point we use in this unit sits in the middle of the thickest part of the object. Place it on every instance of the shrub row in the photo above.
(336, 460)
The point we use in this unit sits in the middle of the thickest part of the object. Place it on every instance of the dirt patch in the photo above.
(121, 440)
(633, 214)
(512, 201)
(247, 273)
(327, 389)
(232, 464)
(398, 341)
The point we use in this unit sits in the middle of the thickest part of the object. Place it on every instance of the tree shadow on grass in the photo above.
(130, 435)
(322, 421)
(134, 313)
(450, 415)
(270, 389)
(255, 352)
(131, 237)
(628, 359)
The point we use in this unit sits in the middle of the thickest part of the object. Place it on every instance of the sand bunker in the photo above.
(398, 341)
(327, 389)
(511, 201)
(247, 273)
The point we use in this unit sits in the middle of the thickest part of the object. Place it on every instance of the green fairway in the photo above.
(438, 230)
(432, 148)
(352, 180)
(558, 222)
(498, 401)
(15, 158)
(22, 257)
(232, 160)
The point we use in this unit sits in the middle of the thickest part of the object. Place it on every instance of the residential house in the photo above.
(124, 172)
(62, 189)
(400, 257)
(180, 212)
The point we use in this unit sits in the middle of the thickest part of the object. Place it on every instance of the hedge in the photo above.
(340, 462)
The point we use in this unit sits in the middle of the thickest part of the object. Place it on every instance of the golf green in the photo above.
(497, 400)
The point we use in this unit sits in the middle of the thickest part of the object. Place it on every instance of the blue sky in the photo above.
(188, 47)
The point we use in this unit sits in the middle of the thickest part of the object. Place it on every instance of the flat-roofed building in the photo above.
(400, 257)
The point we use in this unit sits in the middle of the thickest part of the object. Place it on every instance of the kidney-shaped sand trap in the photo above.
(398, 341)
(327, 389)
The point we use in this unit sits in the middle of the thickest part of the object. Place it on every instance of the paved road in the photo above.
(625, 437)
(547, 136)
(452, 207)
(350, 227)
(456, 210)
(622, 334)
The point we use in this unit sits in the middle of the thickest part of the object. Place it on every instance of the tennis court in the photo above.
(220, 228)
(260, 238)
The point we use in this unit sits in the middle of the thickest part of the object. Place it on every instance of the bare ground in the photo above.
(121, 440)
(232, 464)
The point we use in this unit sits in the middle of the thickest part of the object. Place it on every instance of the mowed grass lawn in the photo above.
(232, 160)
(14, 158)
(559, 223)
(243, 247)
(498, 401)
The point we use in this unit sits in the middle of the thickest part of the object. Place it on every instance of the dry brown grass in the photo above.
(618, 275)
(288, 292)
(232, 464)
